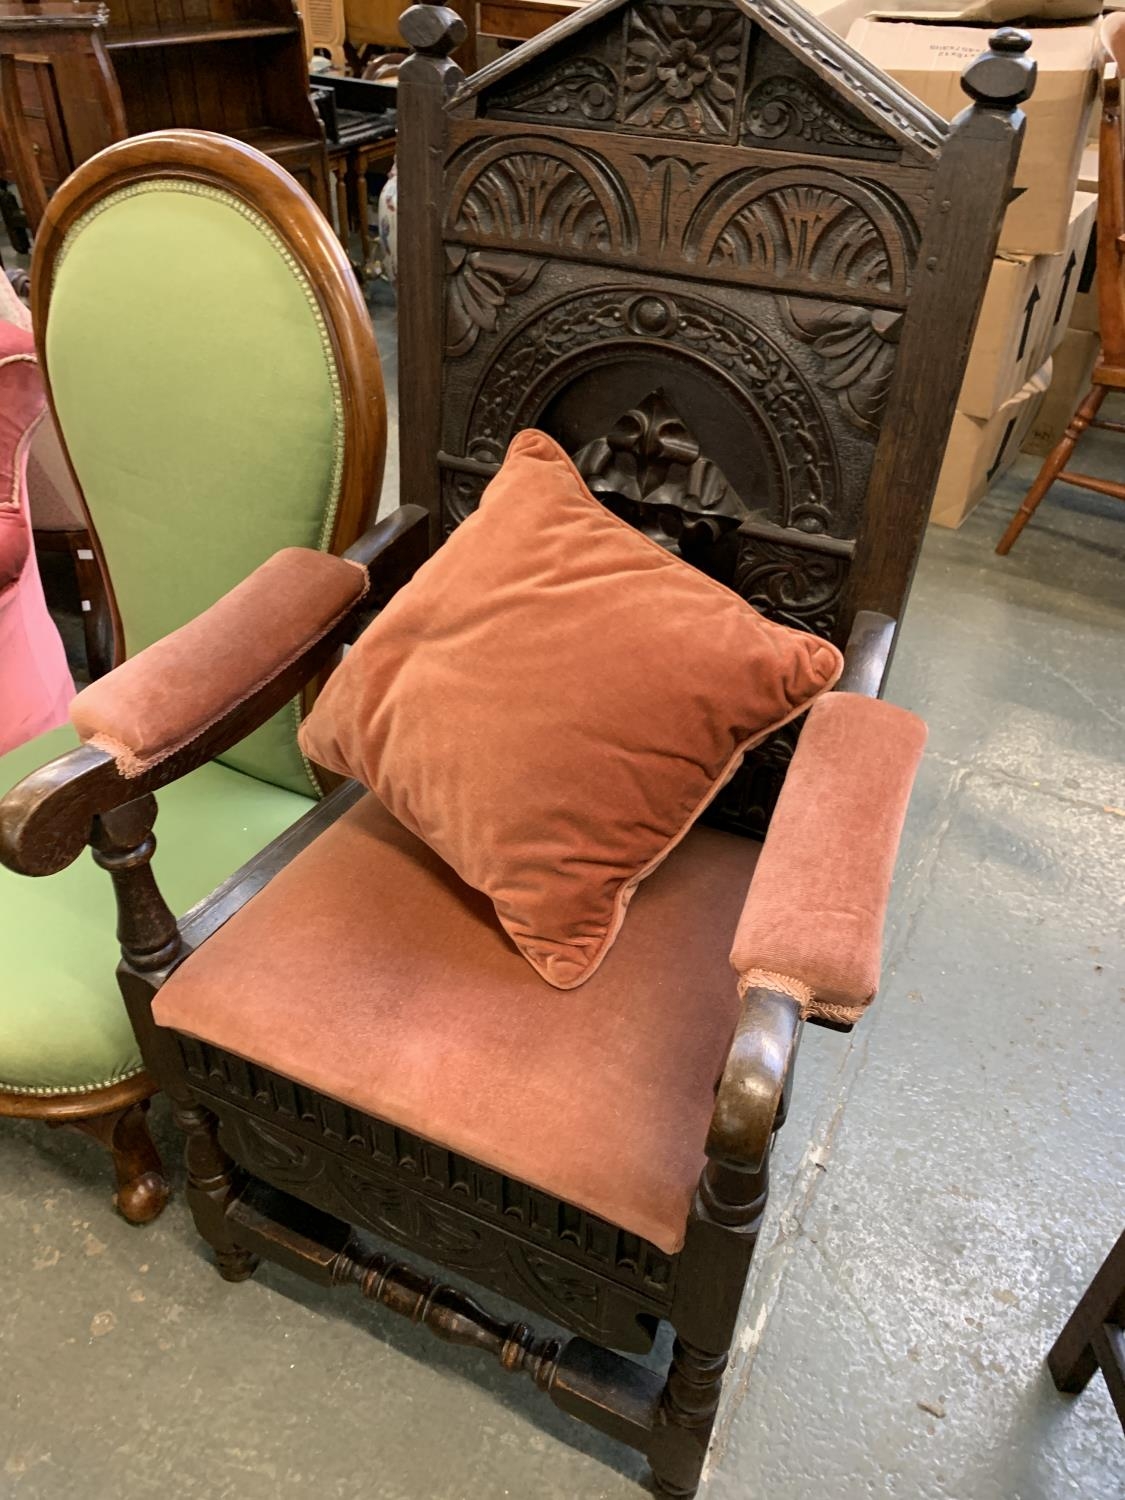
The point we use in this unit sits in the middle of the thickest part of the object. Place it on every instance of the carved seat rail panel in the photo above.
(525, 1244)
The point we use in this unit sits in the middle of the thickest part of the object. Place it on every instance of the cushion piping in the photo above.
(45, 1091)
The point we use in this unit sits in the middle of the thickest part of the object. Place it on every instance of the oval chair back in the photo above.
(213, 370)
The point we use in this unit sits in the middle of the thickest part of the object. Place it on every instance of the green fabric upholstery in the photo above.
(198, 396)
(63, 1027)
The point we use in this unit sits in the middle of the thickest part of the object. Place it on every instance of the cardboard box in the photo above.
(1072, 366)
(838, 15)
(979, 451)
(1088, 169)
(929, 60)
(1085, 315)
(1011, 335)
(1025, 312)
(1060, 290)
(993, 12)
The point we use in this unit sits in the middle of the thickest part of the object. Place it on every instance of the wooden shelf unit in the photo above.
(192, 33)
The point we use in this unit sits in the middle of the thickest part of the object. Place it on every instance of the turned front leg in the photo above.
(722, 1231)
(212, 1183)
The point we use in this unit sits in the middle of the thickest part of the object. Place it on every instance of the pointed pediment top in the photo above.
(855, 81)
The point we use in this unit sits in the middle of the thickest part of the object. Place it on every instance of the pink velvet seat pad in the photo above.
(367, 970)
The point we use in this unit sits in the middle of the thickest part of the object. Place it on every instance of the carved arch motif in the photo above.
(540, 358)
(806, 222)
(535, 191)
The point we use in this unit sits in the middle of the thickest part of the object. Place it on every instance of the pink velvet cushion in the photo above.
(35, 685)
(553, 700)
(20, 410)
(814, 914)
(368, 971)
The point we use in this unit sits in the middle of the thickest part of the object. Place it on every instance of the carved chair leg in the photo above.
(212, 1182)
(142, 1189)
(1053, 466)
(14, 220)
(687, 1414)
(1093, 1334)
(722, 1233)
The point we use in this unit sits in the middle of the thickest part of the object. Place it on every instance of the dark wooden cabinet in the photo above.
(233, 66)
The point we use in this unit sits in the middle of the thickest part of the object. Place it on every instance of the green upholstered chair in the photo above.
(215, 378)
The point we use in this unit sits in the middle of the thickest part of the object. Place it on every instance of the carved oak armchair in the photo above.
(740, 292)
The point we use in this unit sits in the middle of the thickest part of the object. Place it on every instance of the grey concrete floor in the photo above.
(949, 1179)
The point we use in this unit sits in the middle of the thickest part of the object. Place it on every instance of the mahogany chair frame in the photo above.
(115, 1116)
(1109, 372)
(275, 1168)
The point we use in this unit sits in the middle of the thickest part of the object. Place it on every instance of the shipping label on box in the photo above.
(929, 61)
(1072, 369)
(978, 452)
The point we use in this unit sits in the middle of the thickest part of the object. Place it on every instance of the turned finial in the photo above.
(433, 30)
(1004, 76)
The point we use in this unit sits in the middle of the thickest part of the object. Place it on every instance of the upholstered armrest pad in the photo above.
(161, 699)
(813, 920)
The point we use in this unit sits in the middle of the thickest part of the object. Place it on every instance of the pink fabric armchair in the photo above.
(35, 684)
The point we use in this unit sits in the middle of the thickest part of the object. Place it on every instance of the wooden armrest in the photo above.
(46, 820)
(754, 1089)
(867, 654)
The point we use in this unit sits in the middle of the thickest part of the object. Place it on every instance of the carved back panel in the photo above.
(732, 268)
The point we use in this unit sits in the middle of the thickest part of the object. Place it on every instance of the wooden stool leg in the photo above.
(1086, 1340)
(361, 213)
(97, 624)
(1053, 465)
(339, 174)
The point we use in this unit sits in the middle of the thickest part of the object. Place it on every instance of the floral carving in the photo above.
(579, 87)
(792, 585)
(650, 470)
(477, 287)
(785, 106)
(682, 69)
(857, 345)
